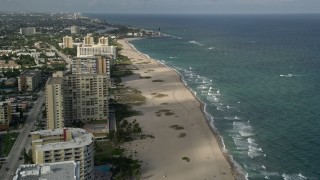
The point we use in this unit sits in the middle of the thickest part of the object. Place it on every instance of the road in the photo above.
(63, 56)
(22, 140)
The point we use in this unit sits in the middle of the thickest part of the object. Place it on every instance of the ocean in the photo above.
(259, 78)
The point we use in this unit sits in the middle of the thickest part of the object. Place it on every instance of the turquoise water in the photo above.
(259, 78)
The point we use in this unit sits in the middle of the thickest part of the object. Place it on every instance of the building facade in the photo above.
(28, 31)
(29, 80)
(54, 102)
(67, 42)
(74, 29)
(103, 41)
(85, 98)
(5, 114)
(68, 144)
(98, 64)
(88, 40)
(85, 51)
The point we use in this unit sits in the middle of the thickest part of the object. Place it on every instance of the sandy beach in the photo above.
(174, 117)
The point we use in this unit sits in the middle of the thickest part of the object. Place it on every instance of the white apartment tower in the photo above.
(67, 42)
(67, 144)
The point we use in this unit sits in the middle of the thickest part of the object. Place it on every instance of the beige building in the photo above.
(85, 98)
(67, 42)
(98, 64)
(54, 102)
(103, 41)
(88, 40)
(67, 170)
(68, 144)
(9, 65)
(29, 80)
(5, 114)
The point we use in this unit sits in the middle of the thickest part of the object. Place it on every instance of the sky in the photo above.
(164, 6)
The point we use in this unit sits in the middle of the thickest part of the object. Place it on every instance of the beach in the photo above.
(183, 146)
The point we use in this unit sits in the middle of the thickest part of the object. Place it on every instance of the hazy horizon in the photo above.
(165, 6)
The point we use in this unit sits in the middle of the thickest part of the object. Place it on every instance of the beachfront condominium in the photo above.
(54, 101)
(98, 64)
(76, 98)
(5, 115)
(88, 40)
(103, 41)
(67, 42)
(29, 80)
(85, 98)
(88, 51)
(67, 170)
(65, 144)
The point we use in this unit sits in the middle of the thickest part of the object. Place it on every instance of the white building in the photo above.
(74, 29)
(89, 51)
(28, 31)
(68, 170)
(68, 144)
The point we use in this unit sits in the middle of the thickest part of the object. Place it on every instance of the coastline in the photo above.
(221, 161)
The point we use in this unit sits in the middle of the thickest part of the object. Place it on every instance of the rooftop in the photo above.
(55, 80)
(30, 73)
(66, 170)
(80, 138)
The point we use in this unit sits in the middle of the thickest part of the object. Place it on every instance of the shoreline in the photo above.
(232, 165)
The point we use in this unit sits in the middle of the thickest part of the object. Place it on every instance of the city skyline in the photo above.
(165, 6)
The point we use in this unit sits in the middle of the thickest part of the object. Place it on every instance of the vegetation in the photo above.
(186, 159)
(27, 157)
(177, 127)
(166, 112)
(158, 80)
(7, 143)
(26, 60)
(69, 51)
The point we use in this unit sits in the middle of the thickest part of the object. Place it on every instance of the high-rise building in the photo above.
(5, 115)
(29, 80)
(68, 144)
(74, 29)
(67, 42)
(98, 64)
(54, 101)
(88, 51)
(103, 41)
(67, 170)
(85, 98)
(88, 40)
(28, 31)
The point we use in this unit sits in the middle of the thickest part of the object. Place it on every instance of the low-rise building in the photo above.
(58, 145)
(68, 170)
(29, 80)
(5, 65)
